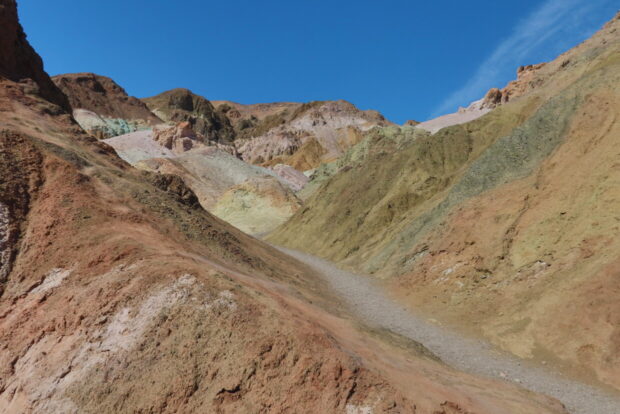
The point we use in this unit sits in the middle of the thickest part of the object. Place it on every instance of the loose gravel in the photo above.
(366, 298)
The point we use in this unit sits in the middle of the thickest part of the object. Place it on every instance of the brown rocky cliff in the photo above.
(103, 96)
(19, 61)
(525, 81)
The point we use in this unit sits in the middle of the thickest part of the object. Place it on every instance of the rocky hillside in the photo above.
(282, 139)
(121, 294)
(506, 225)
(214, 173)
(306, 136)
(182, 105)
(246, 118)
(102, 107)
(299, 135)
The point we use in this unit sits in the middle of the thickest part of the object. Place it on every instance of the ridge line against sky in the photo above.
(550, 19)
(402, 58)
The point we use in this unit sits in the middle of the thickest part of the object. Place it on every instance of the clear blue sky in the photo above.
(407, 59)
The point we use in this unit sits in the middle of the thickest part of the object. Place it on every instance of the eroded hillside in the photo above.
(506, 225)
(121, 294)
(102, 107)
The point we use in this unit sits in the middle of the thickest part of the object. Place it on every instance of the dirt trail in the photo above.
(368, 301)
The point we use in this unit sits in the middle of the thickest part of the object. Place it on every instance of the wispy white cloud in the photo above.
(551, 22)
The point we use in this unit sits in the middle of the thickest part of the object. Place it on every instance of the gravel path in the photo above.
(368, 301)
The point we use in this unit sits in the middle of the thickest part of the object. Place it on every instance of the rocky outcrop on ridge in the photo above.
(528, 78)
(248, 120)
(314, 133)
(182, 105)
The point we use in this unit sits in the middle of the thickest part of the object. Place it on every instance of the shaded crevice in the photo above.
(20, 178)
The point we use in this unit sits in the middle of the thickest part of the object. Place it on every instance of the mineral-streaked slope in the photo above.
(121, 294)
(102, 107)
(506, 225)
(314, 133)
(258, 205)
(213, 173)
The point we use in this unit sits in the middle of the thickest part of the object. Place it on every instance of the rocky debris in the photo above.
(411, 122)
(138, 146)
(264, 148)
(222, 182)
(493, 98)
(174, 185)
(378, 309)
(121, 277)
(254, 113)
(182, 105)
(181, 138)
(526, 81)
(19, 61)
(102, 127)
(209, 171)
(514, 89)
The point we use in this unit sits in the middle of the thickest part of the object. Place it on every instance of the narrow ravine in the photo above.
(374, 307)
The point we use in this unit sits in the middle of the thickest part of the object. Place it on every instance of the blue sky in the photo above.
(407, 59)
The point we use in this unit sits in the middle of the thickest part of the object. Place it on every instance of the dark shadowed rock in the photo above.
(19, 61)
(181, 105)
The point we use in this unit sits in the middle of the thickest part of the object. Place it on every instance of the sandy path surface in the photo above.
(367, 300)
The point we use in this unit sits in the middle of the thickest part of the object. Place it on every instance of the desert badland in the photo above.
(173, 254)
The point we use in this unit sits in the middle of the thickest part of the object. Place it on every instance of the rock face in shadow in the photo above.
(19, 61)
(182, 105)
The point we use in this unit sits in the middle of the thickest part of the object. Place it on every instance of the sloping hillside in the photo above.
(312, 134)
(120, 294)
(213, 173)
(507, 224)
(102, 107)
